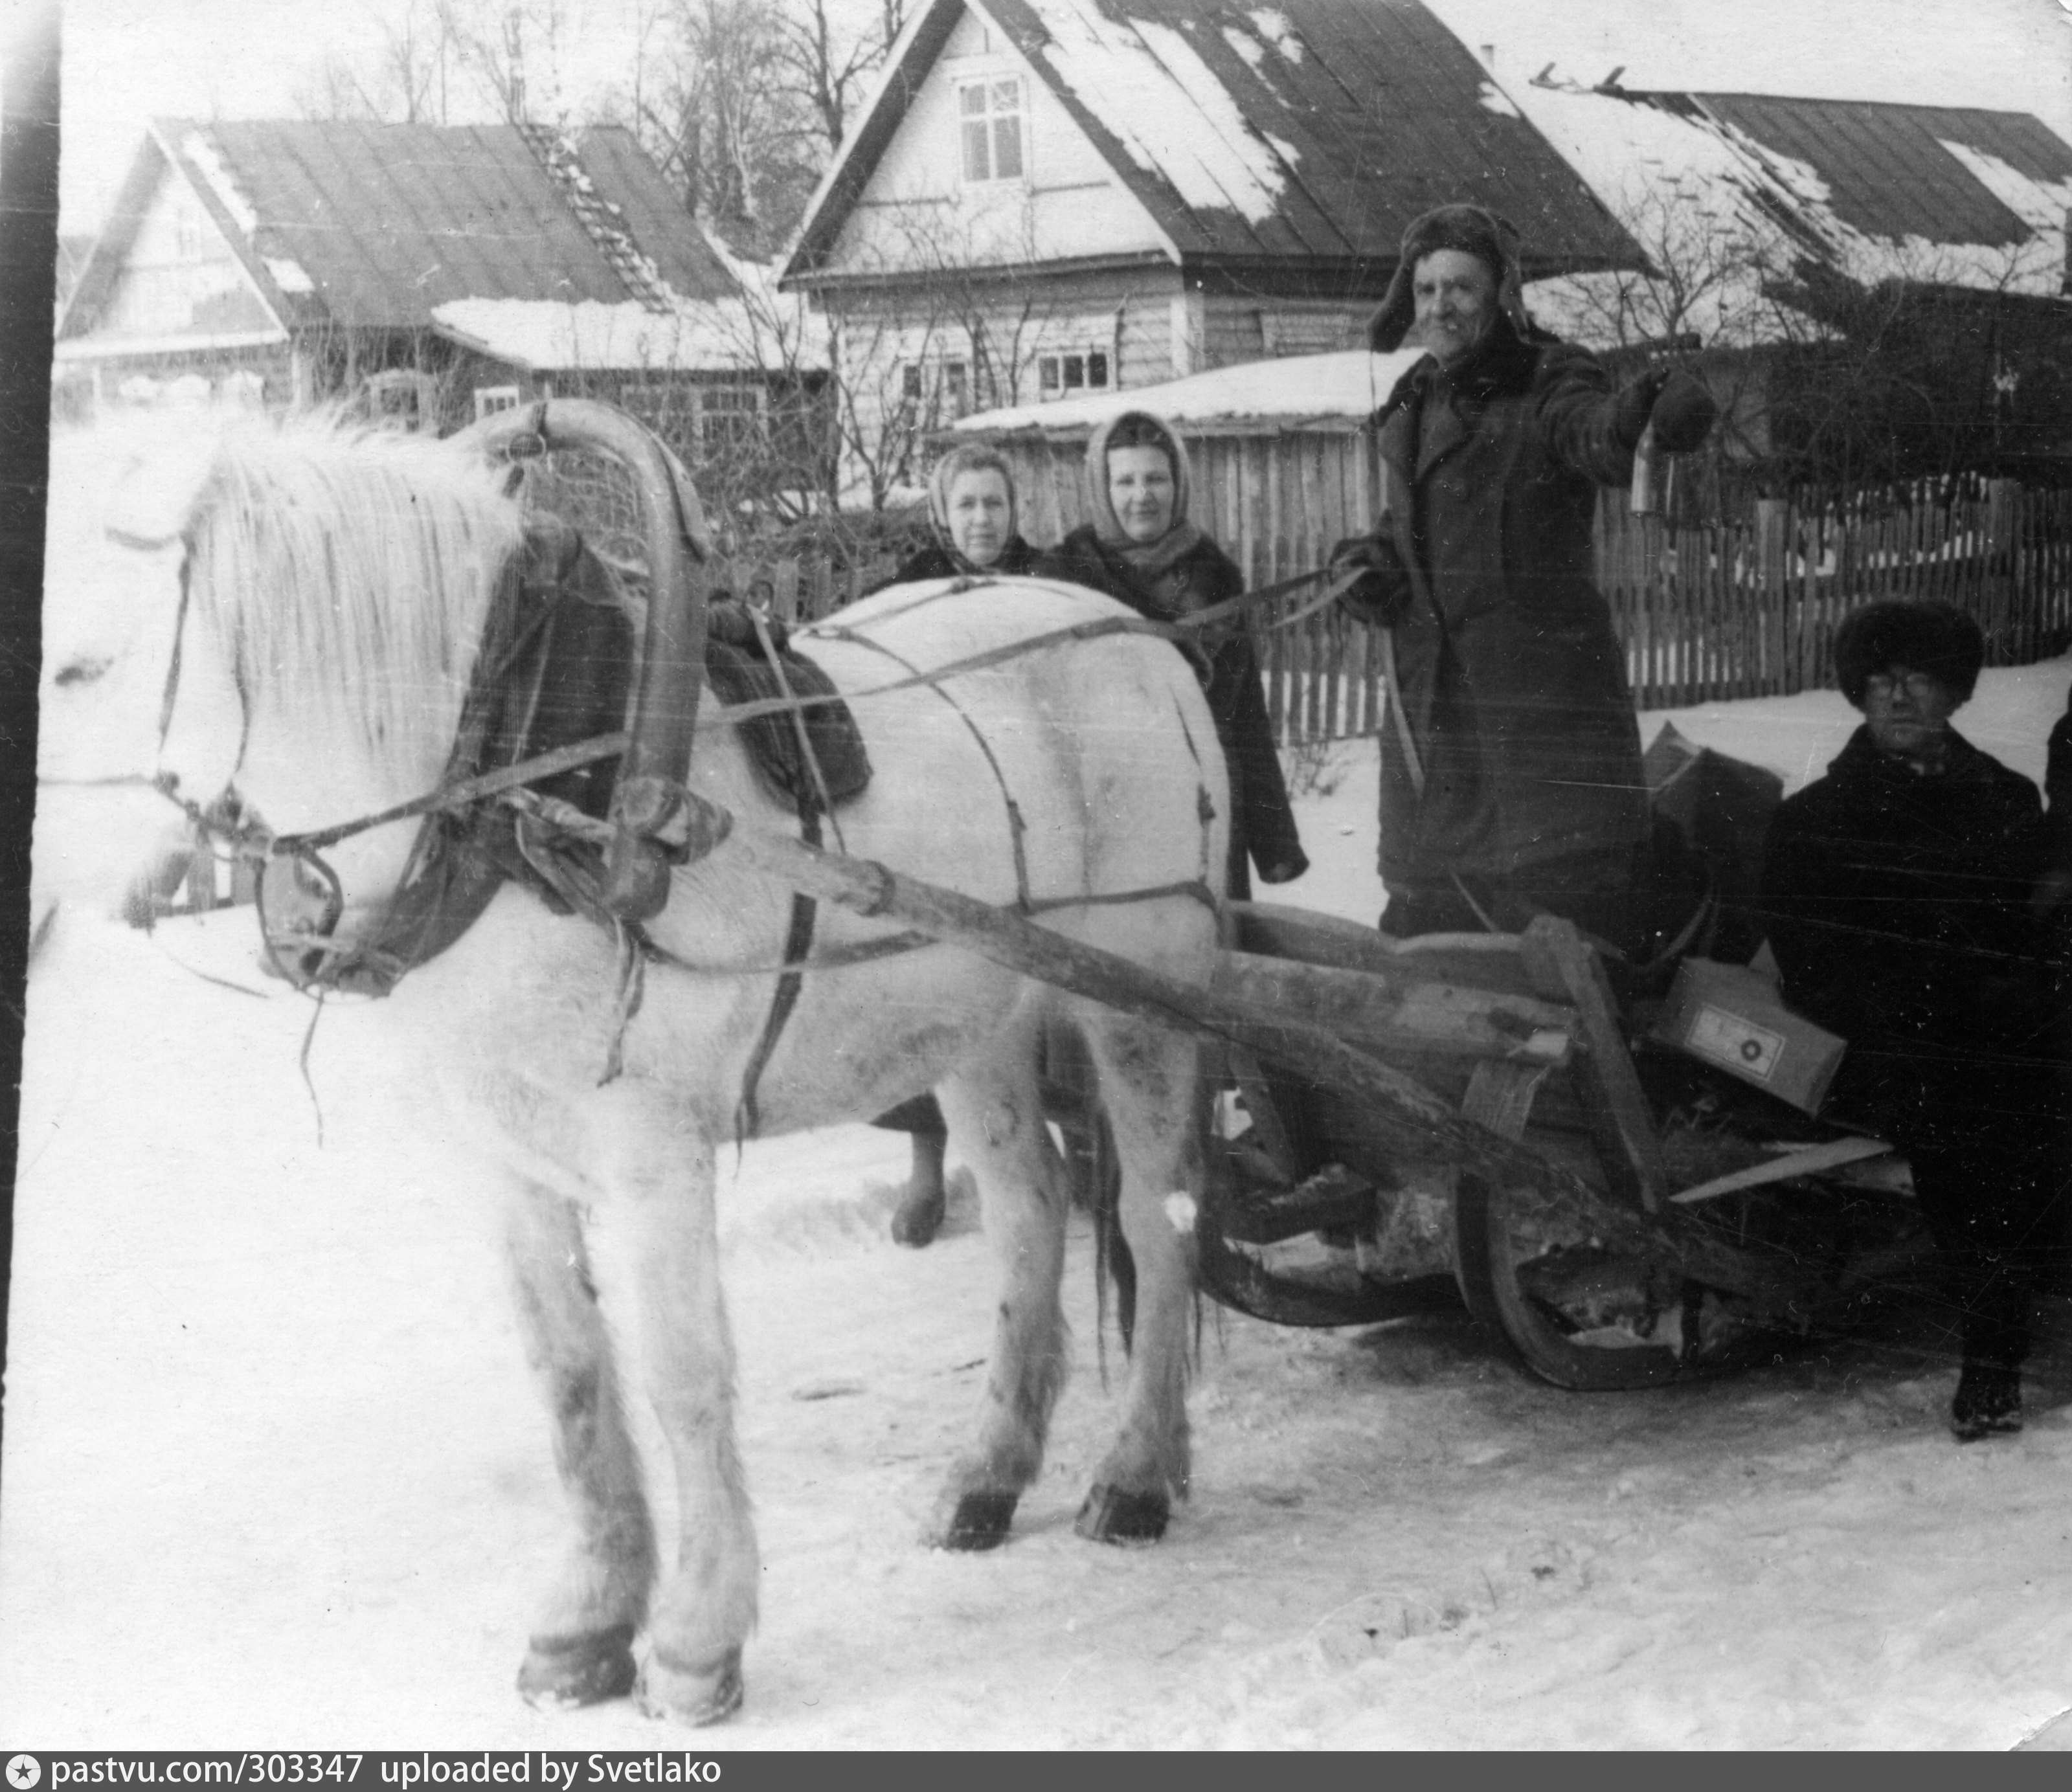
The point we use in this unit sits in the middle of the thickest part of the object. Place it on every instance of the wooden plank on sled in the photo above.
(1386, 1015)
(1492, 961)
(1620, 1118)
(1416, 1123)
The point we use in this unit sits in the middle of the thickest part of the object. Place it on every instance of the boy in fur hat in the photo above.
(1511, 779)
(1896, 892)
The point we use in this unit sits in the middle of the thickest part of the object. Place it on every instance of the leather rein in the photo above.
(287, 950)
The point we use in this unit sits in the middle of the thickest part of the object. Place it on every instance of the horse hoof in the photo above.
(917, 1219)
(686, 1695)
(561, 1673)
(980, 1521)
(1111, 1515)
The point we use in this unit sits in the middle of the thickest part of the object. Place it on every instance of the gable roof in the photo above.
(1798, 189)
(374, 226)
(1338, 390)
(1316, 129)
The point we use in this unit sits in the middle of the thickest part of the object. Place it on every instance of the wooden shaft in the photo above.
(1426, 1128)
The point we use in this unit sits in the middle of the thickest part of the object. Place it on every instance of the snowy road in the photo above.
(274, 1475)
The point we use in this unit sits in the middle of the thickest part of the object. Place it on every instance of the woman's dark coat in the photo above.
(1513, 684)
(935, 560)
(1262, 824)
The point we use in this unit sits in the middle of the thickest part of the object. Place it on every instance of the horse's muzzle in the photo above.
(300, 901)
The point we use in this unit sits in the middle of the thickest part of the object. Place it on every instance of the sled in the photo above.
(1401, 1127)
(1740, 1219)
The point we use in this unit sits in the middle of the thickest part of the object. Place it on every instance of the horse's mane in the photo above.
(348, 571)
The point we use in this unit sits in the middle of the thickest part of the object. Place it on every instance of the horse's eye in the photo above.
(80, 672)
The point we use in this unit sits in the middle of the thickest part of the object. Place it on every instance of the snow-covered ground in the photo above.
(274, 1475)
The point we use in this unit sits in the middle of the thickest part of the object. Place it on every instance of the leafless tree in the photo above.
(826, 67)
(402, 74)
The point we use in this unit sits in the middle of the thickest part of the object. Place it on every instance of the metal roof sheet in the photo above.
(372, 225)
(1886, 168)
(1312, 129)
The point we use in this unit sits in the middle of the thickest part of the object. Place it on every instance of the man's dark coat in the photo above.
(1514, 686)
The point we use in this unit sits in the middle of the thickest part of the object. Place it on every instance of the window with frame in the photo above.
(490, 399)
(989, 112)
(730, 419)
(1081, 370)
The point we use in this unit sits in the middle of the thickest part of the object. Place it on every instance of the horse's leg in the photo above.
(995, 1117)
(661, 1184)
(581, 1648)
(1147, 1088)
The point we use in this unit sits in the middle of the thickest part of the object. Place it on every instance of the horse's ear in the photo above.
(154, 489)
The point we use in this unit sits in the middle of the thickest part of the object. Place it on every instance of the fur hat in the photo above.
(1491, 239)
(1935, 638)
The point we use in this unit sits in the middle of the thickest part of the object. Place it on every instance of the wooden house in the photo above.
(1045, 198)
(434, 272)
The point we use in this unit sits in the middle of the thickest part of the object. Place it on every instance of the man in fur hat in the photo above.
(1511, 777)
(1896, 892)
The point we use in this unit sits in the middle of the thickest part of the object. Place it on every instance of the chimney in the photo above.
(1489, 56)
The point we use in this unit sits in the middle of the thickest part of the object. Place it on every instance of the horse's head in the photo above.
(322, 594)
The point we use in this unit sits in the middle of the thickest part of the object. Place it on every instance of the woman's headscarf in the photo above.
(1139, 430)
(969, 457)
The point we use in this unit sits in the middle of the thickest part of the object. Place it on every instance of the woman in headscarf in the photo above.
(1141, 550)
(971, 510)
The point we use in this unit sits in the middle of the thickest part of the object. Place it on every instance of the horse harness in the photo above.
(528, 785)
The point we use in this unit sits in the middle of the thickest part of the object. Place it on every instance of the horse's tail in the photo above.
(1113, 1263)
(1093, 1173)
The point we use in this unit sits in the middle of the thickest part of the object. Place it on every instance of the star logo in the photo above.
(23, 1771)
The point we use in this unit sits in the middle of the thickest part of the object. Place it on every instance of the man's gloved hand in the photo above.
(1382, 592)
(1286, 868)
(1684, 412)
(1681, 408)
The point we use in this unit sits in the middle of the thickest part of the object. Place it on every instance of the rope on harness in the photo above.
(1017, 829)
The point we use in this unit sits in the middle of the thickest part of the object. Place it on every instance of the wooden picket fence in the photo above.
(1738, 605)
(1747, 606)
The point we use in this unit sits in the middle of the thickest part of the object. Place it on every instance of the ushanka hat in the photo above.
(1490, 240)
(1933, 638)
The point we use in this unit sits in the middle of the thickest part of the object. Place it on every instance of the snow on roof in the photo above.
(1169, 110)
(201, 153)
(1494, 99)
(544, 335)
(109, 348)
(1349, 383)
(1621, 309)
(288, 274)
(1732, 193)
(2041, 204)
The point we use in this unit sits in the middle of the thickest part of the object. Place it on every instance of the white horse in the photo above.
(337, 586)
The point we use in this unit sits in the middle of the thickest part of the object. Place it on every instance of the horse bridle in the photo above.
(246, 839)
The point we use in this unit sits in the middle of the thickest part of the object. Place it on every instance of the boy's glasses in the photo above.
(1917, 684)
